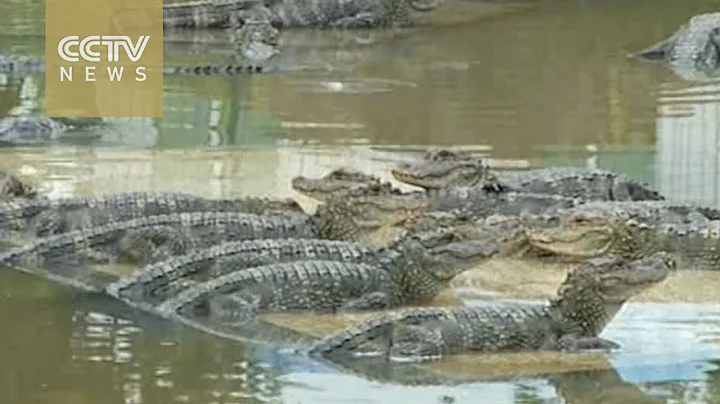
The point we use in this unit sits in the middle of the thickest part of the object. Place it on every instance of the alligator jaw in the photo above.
(582, 243)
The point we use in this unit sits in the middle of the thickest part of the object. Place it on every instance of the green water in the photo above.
(547, 84)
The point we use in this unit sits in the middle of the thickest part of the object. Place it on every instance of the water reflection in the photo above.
(688, 132)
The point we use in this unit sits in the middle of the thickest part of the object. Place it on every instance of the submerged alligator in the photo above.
(693, 51)
(442, 168)
(587, 301)
(295, 13)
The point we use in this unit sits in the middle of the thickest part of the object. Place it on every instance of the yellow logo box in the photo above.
(104, 58)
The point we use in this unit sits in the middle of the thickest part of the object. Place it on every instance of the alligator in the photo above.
(414, 271)
(203, 13)
(443, 168)
(344, 14)
(382, 200)
(201, 227)
(587, 301)
(335, 221)
(43, 216)
(693, 51)
(430, 256)
(12, 187)
(695, 244)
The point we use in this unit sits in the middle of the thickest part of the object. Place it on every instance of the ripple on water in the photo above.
(364, 85)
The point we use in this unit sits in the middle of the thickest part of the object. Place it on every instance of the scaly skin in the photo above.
(11, 187)
(693, 51)
(206, 227)
(443, 169)
(202, 14)
(422, 262)
(587, 301)
(320, 286)
(478, 201)
(414, 271)
(695, 244)
(195, 229)
(45, 217)
(346, 14)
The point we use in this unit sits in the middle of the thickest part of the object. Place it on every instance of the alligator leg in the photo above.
(47, 223)
(235, 309)
(370, 301)
(142, 246)
(413, 343)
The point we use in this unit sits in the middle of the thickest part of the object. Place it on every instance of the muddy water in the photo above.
(527, 84)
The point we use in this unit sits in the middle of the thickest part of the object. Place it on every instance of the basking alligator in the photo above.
(11, 187)
(296, 13)
(693, 51)
(422, 262)
(587, 301)
(203, 13)
(413, 271)
(381, 199)
(695, 244)
(197, 227)
(44, 217)
(440, 169)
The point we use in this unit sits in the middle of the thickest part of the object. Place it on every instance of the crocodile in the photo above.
(693, 51)
(587, 301)
(44, 216)
(695, 244)
(12, 187)
(444, 168)
(414, 271)
(430, 255)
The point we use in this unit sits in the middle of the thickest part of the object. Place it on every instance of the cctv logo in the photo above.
(113, 43)
(71, 49)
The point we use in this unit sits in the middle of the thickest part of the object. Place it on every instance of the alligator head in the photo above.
(595, 291)
(337, 182)
(455, 249)
(584, 237)
(442, 168)
(358, 218)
